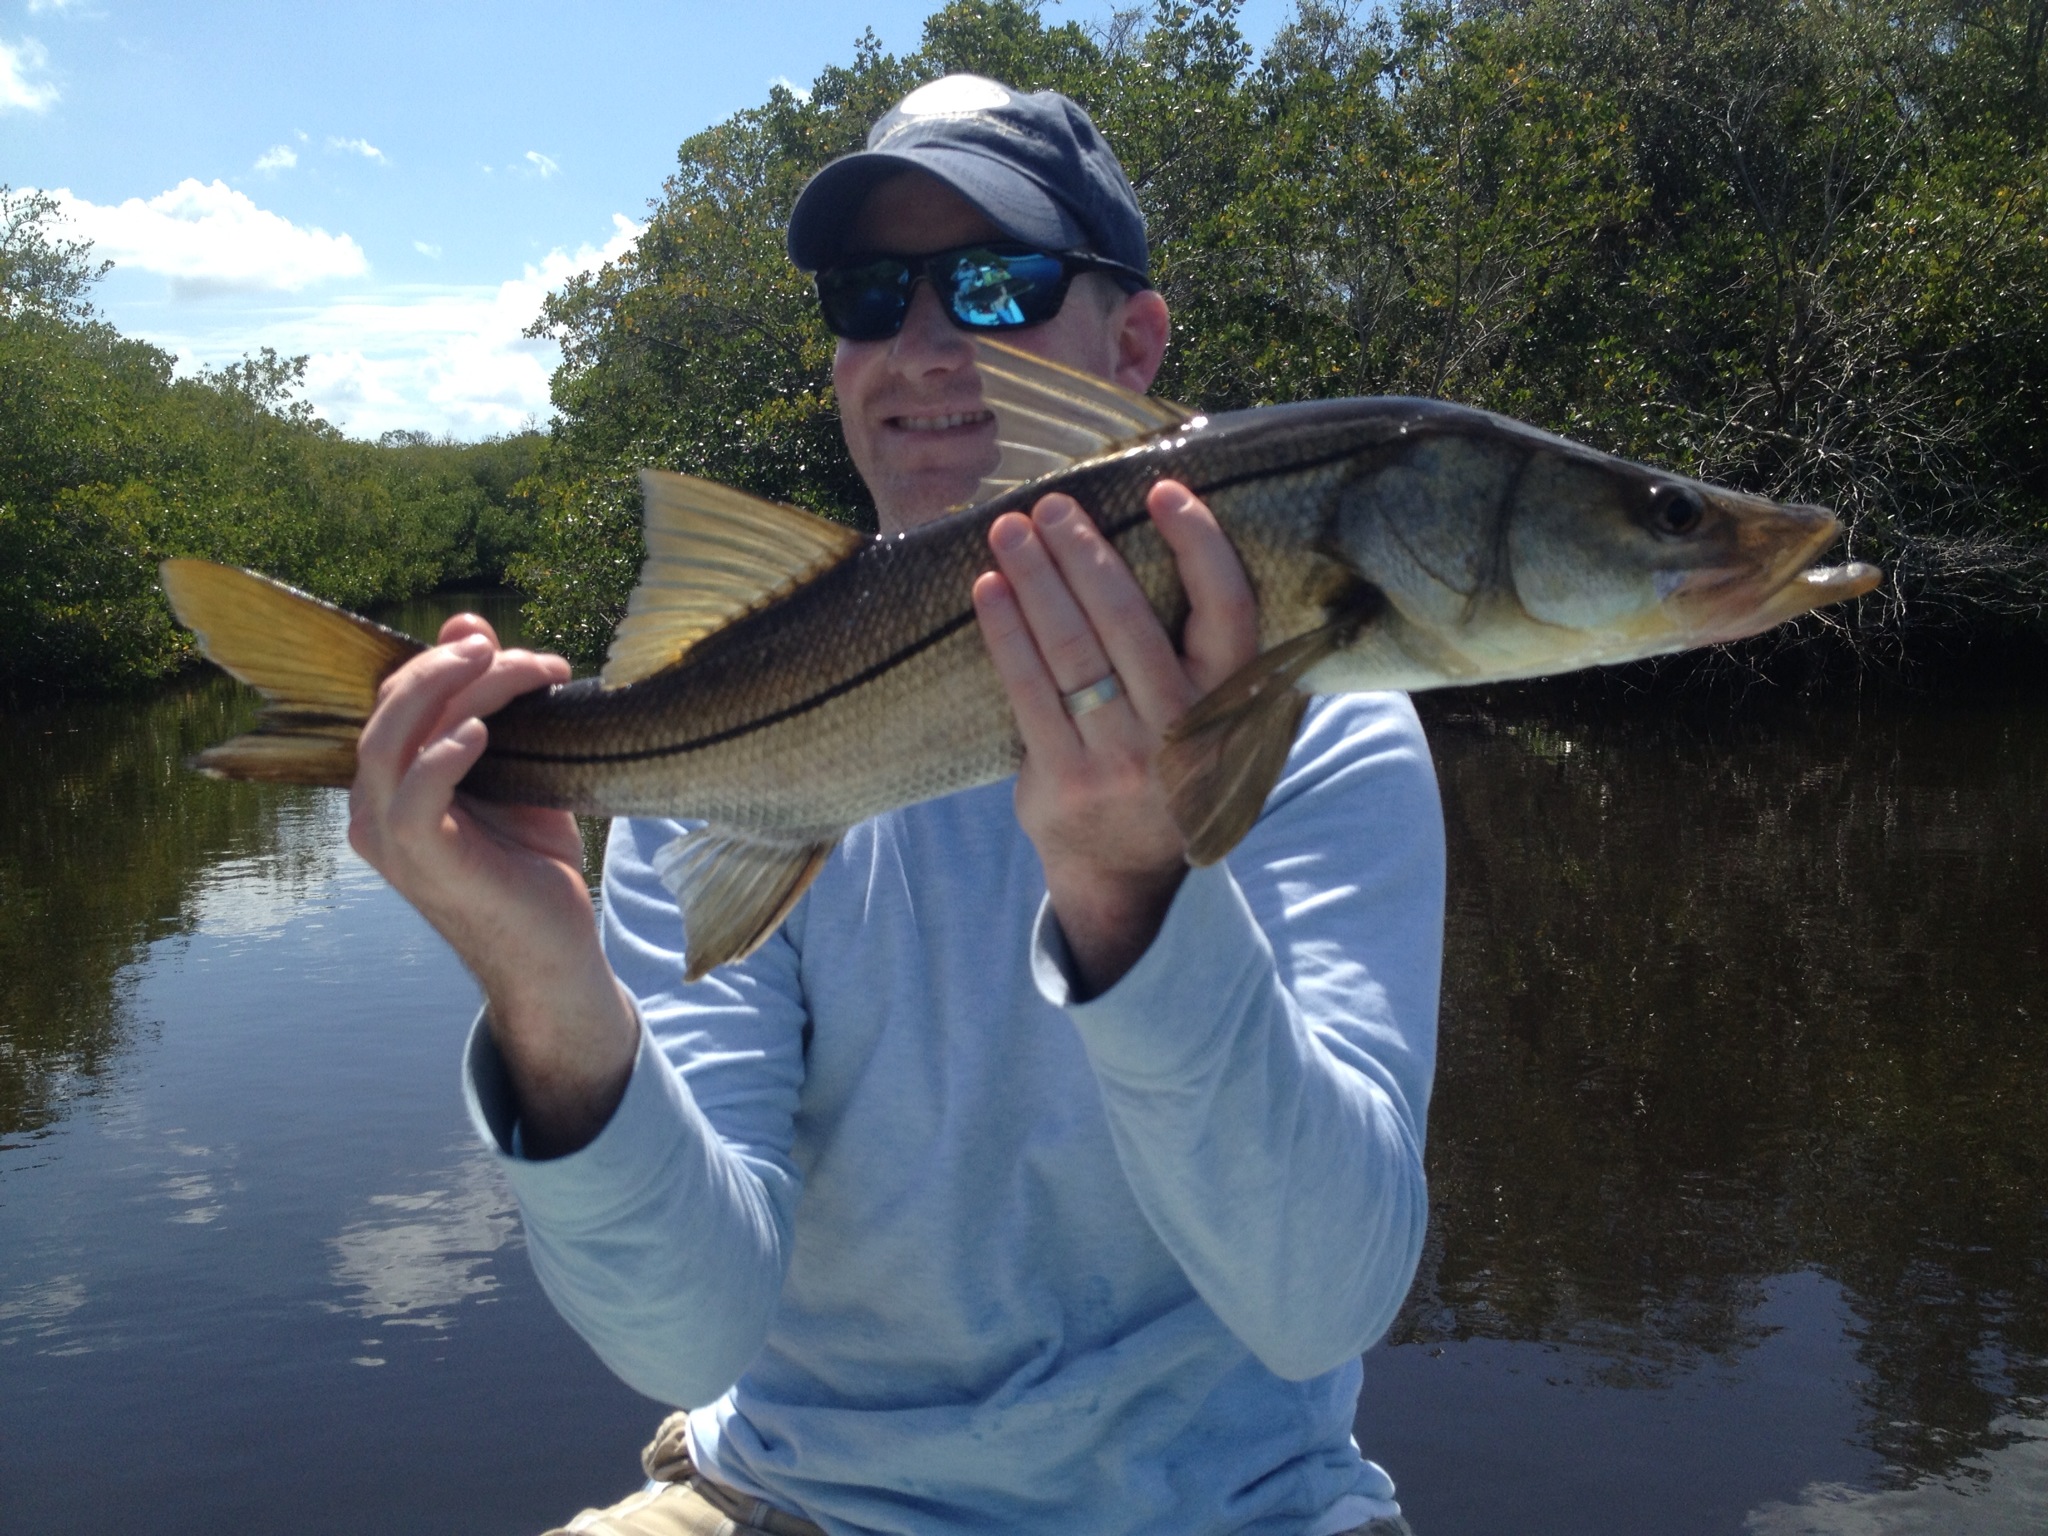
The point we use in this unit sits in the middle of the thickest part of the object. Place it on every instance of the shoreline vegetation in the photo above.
(109, 464)
(1799, 250)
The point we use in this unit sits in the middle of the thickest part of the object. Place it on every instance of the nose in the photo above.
(929, 341)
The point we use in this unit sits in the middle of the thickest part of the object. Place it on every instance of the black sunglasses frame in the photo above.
(940, 269)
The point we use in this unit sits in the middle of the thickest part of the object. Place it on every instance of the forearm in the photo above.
(662, 1246)
(1108, 924)
(568, 1033)
(664, 1238)
(1266, 1064)
(1285, 1179)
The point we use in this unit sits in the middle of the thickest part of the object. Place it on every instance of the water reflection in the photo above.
(103, 836)
(1731, 998)
(1995, 1493)
(429, 1251)
(1737, 1151)
(107, 843)
(38, 1311)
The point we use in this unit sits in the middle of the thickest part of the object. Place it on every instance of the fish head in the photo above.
(1616, 560)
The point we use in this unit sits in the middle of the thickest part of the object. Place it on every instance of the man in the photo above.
(1026, 1180)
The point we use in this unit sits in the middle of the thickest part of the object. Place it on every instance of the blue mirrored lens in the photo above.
(982, 287)
(995, 291)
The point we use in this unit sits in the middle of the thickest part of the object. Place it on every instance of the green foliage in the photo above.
(1799, 249)
(40, 271)
(109, 464)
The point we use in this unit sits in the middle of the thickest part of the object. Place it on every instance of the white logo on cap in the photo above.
(954, 96)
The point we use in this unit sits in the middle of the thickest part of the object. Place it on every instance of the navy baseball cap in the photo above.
(1034, 164)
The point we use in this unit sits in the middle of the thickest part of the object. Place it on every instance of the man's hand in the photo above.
(502, 884)
(1062, 612)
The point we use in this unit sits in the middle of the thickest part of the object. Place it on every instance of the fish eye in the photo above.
(1673, 510)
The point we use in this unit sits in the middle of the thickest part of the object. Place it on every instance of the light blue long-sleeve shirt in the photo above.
(932, 1247)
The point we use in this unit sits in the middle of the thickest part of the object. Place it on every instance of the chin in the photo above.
(917, 498)
(917, 509)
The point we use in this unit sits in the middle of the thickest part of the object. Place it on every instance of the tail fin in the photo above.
(316, 665)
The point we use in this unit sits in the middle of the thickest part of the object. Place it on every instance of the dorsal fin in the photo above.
(713, 553)
(1049, 416)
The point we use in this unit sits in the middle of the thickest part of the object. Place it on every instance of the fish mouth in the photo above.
(1775, 581)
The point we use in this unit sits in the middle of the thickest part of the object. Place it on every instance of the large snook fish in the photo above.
(779, 677)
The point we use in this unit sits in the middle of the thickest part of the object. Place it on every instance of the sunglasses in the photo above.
(988, 286)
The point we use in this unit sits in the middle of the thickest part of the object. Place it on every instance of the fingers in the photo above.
(1222, 631)
(510, 674)
(1118, 614)
(1042, 720)
(551, 834)
(462, 625)
(410, 704)
(1064, 635)
(1066, 610)
(426, 731)
(1088, 615)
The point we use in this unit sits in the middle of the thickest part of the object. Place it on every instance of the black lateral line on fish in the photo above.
(716, 738)
(861, 679)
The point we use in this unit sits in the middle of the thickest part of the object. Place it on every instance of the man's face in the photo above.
(910, 406)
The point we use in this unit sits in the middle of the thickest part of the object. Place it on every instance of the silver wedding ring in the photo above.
(1094, 696)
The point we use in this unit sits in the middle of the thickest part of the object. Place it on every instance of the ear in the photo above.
(1141, 328)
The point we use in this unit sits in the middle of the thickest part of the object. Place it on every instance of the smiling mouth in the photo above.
(945, 423)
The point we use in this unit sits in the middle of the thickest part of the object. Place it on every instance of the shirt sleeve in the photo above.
(1266, 1064)
(664, 1241)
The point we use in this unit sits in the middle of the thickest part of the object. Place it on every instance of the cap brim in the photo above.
(822, 220)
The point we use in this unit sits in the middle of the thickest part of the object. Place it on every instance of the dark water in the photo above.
(1741, 1208)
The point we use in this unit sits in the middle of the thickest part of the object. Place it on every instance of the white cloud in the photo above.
(800, 92)
(433, 251)
(36, 7)
(361, 147)
(19, 62)
(279, 157)
(208, 238)
(442, 358)
(542, 165)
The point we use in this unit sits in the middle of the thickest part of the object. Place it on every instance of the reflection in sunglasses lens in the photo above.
(982, 289)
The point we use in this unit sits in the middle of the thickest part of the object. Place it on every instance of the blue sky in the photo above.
(390, 188)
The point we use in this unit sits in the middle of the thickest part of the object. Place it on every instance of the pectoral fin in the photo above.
(1223, 757)
(734, 892)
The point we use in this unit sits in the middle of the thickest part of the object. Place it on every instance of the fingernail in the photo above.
(1173, 496)
(1009, 533)
(469, 647)
(1054, 510)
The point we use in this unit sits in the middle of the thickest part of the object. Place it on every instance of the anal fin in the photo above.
(1222, 758)
(734, 892)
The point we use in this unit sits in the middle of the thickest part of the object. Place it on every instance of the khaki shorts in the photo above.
(687, 1503)
(684, 1502)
